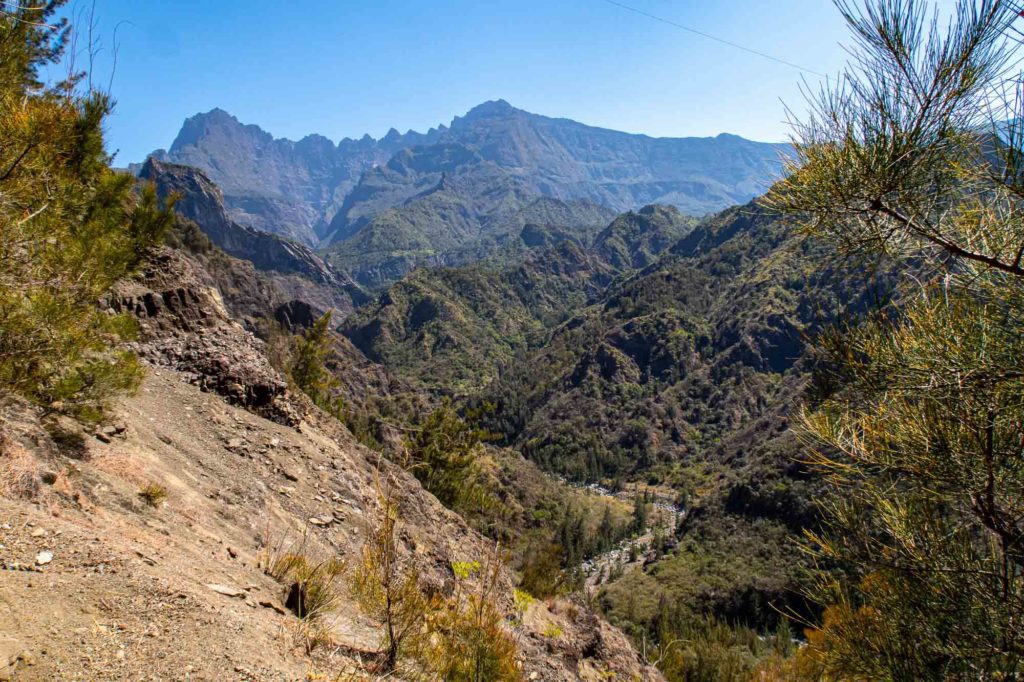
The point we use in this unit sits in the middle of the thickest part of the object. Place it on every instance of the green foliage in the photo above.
(522, 600)
(70, 227)
(689, 351)
(465, 569)
(918, 424)
(469, 642)
(31, 37)
(704, 649)
(641, 509)
(745, 571)
(443, 453)
(388, 589)
(895, 157)
(307, 367)
(922, 444)
(460, 638)
(552, 631)
(542, 570)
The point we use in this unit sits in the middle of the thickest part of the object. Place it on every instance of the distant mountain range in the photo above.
(314, 190)
(453, 195)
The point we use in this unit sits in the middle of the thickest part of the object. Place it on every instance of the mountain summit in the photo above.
(298, 189)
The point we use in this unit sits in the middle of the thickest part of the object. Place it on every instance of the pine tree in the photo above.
(70, 227)
(443, 454)
(921, 437)
(388, 589)
(606, 531)
(640, 513)
(308, 366)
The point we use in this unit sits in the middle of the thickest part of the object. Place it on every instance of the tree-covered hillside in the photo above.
(452, 329)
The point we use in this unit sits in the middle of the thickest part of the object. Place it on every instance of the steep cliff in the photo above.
(296, 270)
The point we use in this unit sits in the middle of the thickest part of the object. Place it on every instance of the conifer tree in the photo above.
(308, 367)
(443, 454)
(70, 227)
(921, 441)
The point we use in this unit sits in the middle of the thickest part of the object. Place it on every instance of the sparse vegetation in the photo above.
(19, 472)
(313, 585)
(469, 641)
(552, 631)
(389, 589)
(314, 589)
(460, 637)
(153, 494)
(704, 649)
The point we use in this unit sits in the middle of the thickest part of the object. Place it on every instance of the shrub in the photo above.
(19, 472)
(469, 642)
(153, 494)
(388, 590)
(458, 638)
(313, 585)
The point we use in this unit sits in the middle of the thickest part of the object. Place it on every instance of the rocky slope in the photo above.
(295, 269)
(172, 585)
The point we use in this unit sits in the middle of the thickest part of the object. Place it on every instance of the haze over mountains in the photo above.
(386, 205)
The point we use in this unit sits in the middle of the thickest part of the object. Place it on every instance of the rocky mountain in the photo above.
(160, 533)
(278, 185)
(566, 159)
(442, 205)
(313, 189)
(294, 267)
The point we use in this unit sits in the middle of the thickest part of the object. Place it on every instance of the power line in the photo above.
(715, 38)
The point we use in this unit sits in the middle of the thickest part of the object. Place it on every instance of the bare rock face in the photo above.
(185, 325)
(297, 266)
(291, 188)
(296, 315)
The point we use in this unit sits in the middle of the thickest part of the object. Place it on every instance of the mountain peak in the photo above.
(215, 116)
(199, 125)
(491, 109)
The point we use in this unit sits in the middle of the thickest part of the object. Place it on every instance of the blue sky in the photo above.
(344, 68)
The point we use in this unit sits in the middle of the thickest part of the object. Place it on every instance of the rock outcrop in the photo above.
(296, 268)
(185, 325)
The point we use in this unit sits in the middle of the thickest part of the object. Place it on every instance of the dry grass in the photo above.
(153, 494)
(313, 589)
(317, 580)
(19, 472)
(121, 466)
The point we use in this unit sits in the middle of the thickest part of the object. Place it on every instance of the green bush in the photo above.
(70, 227)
